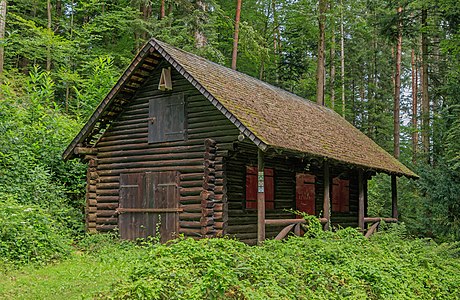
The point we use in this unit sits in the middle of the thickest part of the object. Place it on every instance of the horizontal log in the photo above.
(149, 210)
(107, 221)
(105, 227)
(150, 157)
(85, 150)
(282, 222)
(151, 169)
(101, 199)
(372, 220)
(144, 164)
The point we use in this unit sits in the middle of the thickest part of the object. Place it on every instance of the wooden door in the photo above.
(305, 193)
(149, 201)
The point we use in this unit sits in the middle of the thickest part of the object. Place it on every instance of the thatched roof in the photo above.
(269, 116)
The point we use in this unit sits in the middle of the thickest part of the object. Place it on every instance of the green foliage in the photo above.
(28, 234)
(341, 265)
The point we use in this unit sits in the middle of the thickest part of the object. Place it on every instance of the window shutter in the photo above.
(251, 188)
(167, 119)
(340, 195)
(305, 193)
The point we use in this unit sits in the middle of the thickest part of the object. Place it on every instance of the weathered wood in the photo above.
(282, 222)
(149, 210)
(372, 229)
(372, 220)
(361, 212)
(283, 233)
(260, 198)
(85, 150)
(394, 197)
(327, 197)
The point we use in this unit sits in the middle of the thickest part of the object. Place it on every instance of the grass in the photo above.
(80, 276)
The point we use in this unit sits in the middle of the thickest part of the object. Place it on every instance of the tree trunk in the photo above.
(48, 47)
(342, 57)
(276, 40)
(397, 92)
(235, 35)
(200, 37)
(425, 97)
(414, 107)
(2, 33)
(320, 69)
(162, 9)
(332, 58)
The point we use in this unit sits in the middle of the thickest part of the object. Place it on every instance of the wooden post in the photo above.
(327, 196)
(361, 199)
(394, 197)
(260, 198)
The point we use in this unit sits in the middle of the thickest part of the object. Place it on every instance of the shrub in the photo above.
(29, 234)
(341, 265)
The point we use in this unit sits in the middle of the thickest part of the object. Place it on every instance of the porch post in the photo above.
(361, 199)
(327, 196)
(394, 197)
(260, 198)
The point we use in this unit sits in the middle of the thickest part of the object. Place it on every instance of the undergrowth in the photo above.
(340, 265)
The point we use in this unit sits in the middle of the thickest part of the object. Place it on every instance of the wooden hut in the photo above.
(186, 146)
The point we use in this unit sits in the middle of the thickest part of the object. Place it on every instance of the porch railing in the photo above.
(294, 225)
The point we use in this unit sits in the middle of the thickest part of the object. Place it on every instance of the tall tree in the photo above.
(414, 105)
(2, 33)
(342, 57)
(320, 69)
(235, 34)
(200, 37)
(397, 91)
(48, 47)
(162, 9)
(425, 98)
(332, 60)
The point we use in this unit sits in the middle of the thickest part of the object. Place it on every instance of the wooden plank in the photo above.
(260, 198)
(283, 233)
(372, 229)
(326, 195)
(360, 200)
(149, 210)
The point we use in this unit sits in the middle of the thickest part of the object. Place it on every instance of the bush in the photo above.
(29, 234)
(341, 265)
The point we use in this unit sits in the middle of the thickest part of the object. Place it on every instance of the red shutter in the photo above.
(269, 188)
(340, 195)
(305, 193)
(251, 188)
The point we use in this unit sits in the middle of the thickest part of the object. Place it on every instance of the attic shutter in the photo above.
(166, 119)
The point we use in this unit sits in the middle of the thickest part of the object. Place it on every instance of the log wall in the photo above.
(124, 148)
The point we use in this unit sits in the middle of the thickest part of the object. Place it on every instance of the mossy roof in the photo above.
(270, 116)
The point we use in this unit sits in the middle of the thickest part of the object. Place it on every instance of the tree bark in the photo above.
(425, 96)
(414, 107)
(320, 69)
(162, 9)
(48, 47)
(2, 33)
(200, 37)
(397, 91)
(235, 35)
(276, 39)
(342, 57)
(332, 64)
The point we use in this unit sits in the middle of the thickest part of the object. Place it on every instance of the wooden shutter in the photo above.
(251, 188)
(166, 119)
(305, 193)
(340, 195)
(151, 190)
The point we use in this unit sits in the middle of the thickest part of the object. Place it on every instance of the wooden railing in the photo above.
(291, 224)
(376, 223)
(294, 225)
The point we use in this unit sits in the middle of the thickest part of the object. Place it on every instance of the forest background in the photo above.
(391, 68)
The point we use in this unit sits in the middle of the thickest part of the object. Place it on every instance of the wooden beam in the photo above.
(373, 220)
(85, 150)
(260, 198)
(361, 199)
(281, 222)
(327, 196)
(394, 197)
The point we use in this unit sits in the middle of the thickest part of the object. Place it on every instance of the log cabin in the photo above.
(182, 145)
